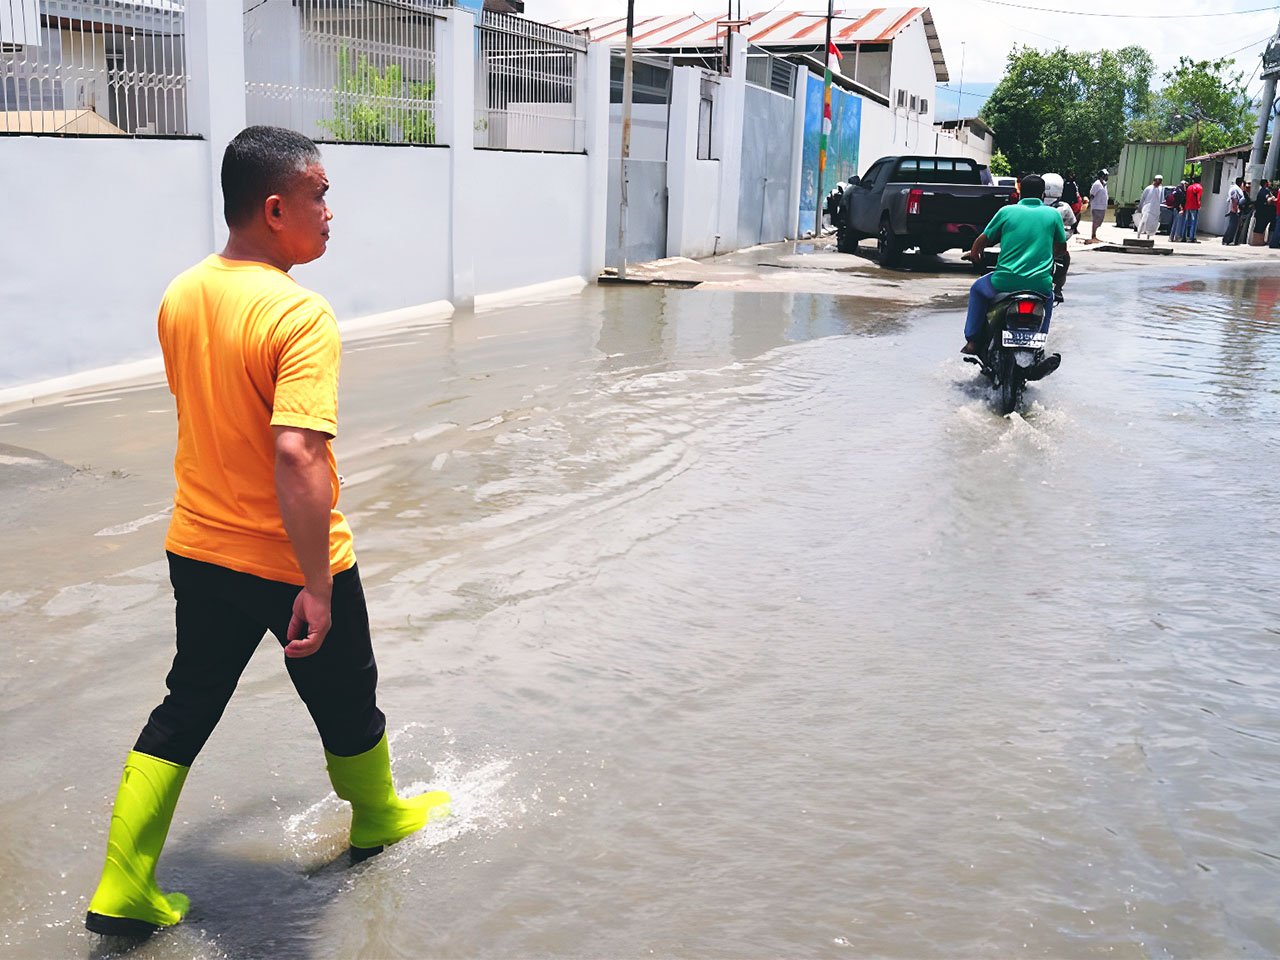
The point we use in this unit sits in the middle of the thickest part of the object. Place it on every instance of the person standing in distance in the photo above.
(1098, 203)
(256, 542)
(1195, 197)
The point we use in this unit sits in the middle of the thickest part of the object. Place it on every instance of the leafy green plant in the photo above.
(1000, 165)
(379, 106)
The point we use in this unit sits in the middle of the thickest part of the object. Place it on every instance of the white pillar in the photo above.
(215, 90)
(596, 108)
(797, 152)
(682, 155)
(731, 108)
(455, 126)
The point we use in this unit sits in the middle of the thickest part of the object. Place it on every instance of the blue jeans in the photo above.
(1175, 231)
(1275, 233)
(980, 296)
(1189, 228)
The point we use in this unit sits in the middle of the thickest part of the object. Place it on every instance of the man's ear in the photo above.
(273, 209)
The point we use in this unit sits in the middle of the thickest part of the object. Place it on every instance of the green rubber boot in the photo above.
(378, 816)
(128, 903)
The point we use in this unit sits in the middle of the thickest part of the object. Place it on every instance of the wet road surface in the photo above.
(739, 625)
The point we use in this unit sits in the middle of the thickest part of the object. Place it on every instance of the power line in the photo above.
(1130, 16)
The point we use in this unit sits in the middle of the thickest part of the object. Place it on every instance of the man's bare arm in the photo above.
(305, 496)
(979, 248)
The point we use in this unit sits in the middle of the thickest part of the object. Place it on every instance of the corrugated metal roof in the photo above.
(779, 31)
(1244, 148)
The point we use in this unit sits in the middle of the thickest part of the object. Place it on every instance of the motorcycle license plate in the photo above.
(1031, 339)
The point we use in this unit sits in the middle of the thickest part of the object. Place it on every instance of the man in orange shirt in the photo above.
(256, 542)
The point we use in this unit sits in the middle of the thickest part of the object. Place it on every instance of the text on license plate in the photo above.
(1024, 338)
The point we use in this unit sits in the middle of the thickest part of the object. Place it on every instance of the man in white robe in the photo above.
(1147, 219)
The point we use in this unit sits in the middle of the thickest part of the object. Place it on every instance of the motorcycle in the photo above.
(1011, 352)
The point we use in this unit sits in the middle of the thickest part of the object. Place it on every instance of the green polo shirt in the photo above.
(1026, 232)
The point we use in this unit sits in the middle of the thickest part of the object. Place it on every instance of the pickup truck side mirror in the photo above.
(854, 181)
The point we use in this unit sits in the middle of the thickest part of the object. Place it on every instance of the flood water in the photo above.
(738, 625)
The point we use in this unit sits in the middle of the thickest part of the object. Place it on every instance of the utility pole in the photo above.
(1270, 72)
(826, 126)
(627, 77)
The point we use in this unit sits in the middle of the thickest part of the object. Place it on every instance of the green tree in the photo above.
(372, 106)
(1000, 166)
(1204, 104)
(1067, 110)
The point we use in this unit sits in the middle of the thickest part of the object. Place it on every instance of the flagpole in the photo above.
(826, 125)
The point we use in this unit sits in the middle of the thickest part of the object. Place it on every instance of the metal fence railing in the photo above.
(94, 67)
(529, 80)
(364, 72)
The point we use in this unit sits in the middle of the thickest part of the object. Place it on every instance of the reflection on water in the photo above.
(738, 624)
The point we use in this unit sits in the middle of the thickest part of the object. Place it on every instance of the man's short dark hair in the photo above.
(1239, 181)
(259, 162)
(1033, 186)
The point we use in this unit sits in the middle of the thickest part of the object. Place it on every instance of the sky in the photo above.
(978, 34)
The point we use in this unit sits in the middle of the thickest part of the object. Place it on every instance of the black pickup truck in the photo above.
(930, 203)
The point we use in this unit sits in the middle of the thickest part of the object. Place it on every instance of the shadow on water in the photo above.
(241, 907)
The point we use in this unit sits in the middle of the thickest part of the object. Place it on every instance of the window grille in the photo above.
(529, 86)
(364, 71)
(94, 67)
(771, 73)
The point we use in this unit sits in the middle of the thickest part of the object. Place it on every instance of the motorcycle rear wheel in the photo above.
(1011, 383)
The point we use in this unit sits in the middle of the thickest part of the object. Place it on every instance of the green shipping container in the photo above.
(1139, 163)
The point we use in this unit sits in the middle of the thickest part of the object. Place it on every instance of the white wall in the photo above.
(534, 215)
(388, 249)
(912, 68)
(1214, 206)
(876, 139)
(84, 260)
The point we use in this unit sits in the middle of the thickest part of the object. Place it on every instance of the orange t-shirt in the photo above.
(246, 348)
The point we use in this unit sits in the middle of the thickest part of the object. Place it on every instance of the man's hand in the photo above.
(310, 622)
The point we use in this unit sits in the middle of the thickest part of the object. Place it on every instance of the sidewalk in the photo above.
(1210, 246)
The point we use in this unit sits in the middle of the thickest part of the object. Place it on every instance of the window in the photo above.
(915, 104)
(705, 114)
(649, 82)
(771, 73)
(1217, 176)
(924, 105)
(869, 180)
(902, 99)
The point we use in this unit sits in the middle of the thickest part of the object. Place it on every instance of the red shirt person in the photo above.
(1195, 197)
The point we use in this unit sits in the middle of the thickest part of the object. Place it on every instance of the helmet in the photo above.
(1052, 186)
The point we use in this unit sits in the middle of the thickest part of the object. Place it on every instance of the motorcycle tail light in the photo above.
(913, 201)
(1026, 306)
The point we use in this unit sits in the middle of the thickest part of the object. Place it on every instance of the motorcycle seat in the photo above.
(1000, 297)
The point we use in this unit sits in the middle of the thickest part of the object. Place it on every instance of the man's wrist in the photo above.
(319, 586)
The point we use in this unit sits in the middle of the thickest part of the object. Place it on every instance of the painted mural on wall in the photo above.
(842, 150)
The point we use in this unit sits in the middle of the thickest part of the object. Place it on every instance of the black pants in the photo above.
(221, 618)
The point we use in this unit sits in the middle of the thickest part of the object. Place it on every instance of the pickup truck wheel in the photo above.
(889, 245)
(847, 241)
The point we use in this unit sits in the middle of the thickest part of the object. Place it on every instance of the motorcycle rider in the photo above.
(1054, 197)
(1030, 235)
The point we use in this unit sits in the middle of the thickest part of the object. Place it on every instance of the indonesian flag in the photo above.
(833, 56)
